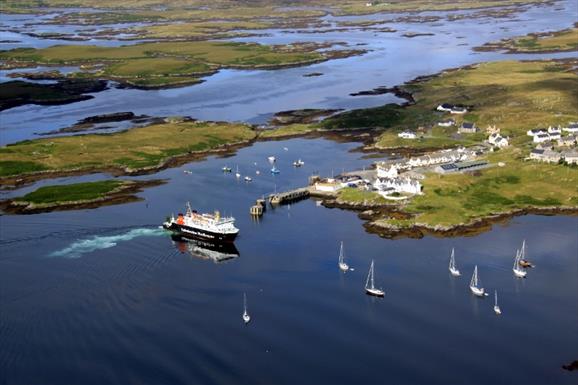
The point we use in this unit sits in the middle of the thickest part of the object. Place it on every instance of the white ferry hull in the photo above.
(197, 233)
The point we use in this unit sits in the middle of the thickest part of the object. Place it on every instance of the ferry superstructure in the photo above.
(211, 227)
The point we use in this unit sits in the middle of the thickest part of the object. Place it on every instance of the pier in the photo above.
(289, 196)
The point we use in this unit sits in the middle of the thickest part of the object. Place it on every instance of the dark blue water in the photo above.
(104, 296)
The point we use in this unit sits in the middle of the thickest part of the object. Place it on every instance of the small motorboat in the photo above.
(298, 163)
(248, 179)
(257, 172)
(226, 169)
(285, 149)
(271, 159)
(187, 172)
(275, 170)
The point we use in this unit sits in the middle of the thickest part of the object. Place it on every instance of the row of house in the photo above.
(387, 168)
(452, 109)
(386, 186)
(551, 156)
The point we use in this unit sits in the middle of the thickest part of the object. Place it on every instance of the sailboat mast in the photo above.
(341, 253)
(372, 284)
(369, 275)
(452, 260)
(245, 302)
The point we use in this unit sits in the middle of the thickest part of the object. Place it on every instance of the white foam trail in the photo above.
(78, 248)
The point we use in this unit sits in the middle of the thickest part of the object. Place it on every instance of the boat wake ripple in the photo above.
(83, 246)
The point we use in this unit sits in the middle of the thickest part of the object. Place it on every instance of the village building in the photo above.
(328, 185)
(498, 140)
(407, 135)
(540, 138)
(570, 157)
(567, 141)
(449, 168)
(447, 123)
(386, 172)
(555, 135)
(545, 155)
(445, 107)
(554, 130)
(386, 186)
(572, 128)
(458, 110)
(492, 130)
(536, 131)
(468, 128)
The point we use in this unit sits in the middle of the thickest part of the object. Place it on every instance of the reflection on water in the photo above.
(216, 252)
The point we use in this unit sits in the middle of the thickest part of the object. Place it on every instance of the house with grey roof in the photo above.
(571, 156)
(545, 155)
(468, 128)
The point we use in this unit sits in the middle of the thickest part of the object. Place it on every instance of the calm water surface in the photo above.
(104, 296)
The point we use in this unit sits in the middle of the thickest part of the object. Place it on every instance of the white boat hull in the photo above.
(497, 310)
(455, 272)
(479, 292)
(375, 292)
(343, 266)
(519, 273)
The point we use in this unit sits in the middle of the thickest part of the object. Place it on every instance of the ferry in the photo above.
(211, 227)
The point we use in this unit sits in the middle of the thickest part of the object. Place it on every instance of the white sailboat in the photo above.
(370, 286)
(342, 265)
(475, 284)
(453, 269)
(246, 316)
(237, 173)
(518, 271)
(497, 309)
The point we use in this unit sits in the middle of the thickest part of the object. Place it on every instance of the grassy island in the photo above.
(77, 195)
(131, 151)
(163, 64)
(559, 41)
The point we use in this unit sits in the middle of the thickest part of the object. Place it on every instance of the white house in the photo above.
(541, 138)
(547, 156)
(445, 107)
(447, 123)
(407, 135)
(555, 135)
(554, 130)
(572, 127)
(399, 184)
(386, 172)
(536, 131)
(458, 110)
(571, 157)
(569, 140)
(498, 140)
(329, 186)
(468, 128)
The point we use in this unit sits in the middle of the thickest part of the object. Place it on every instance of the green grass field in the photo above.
(151, 62)
(71, 193)
(559, 41)
(134, 149)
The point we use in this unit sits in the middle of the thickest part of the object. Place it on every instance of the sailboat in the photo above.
(453, 269)
(238, 174)
(246, 316)
(523, 262)
(342, 265)
(275, 170)
(497, 309)
(475, 284)
(370, 286)
(518, 271)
